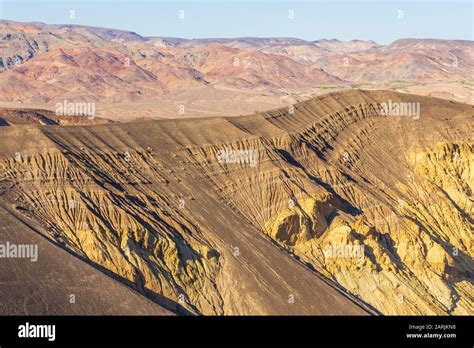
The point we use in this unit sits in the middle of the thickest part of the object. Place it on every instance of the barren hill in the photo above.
(251, 69)
(59, 283)
(406, 60)
(329, 206)
(16, 117)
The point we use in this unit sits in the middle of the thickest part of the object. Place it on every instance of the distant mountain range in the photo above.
(43, 64)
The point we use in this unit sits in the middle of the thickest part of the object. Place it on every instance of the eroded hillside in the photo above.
(325, 207)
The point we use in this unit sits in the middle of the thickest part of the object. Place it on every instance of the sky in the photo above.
(381, 21)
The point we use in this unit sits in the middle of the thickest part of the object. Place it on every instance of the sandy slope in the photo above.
(45, 287)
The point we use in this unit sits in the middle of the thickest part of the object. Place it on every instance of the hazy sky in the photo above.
(381, 21)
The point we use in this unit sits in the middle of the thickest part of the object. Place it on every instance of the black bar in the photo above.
(135, 331)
